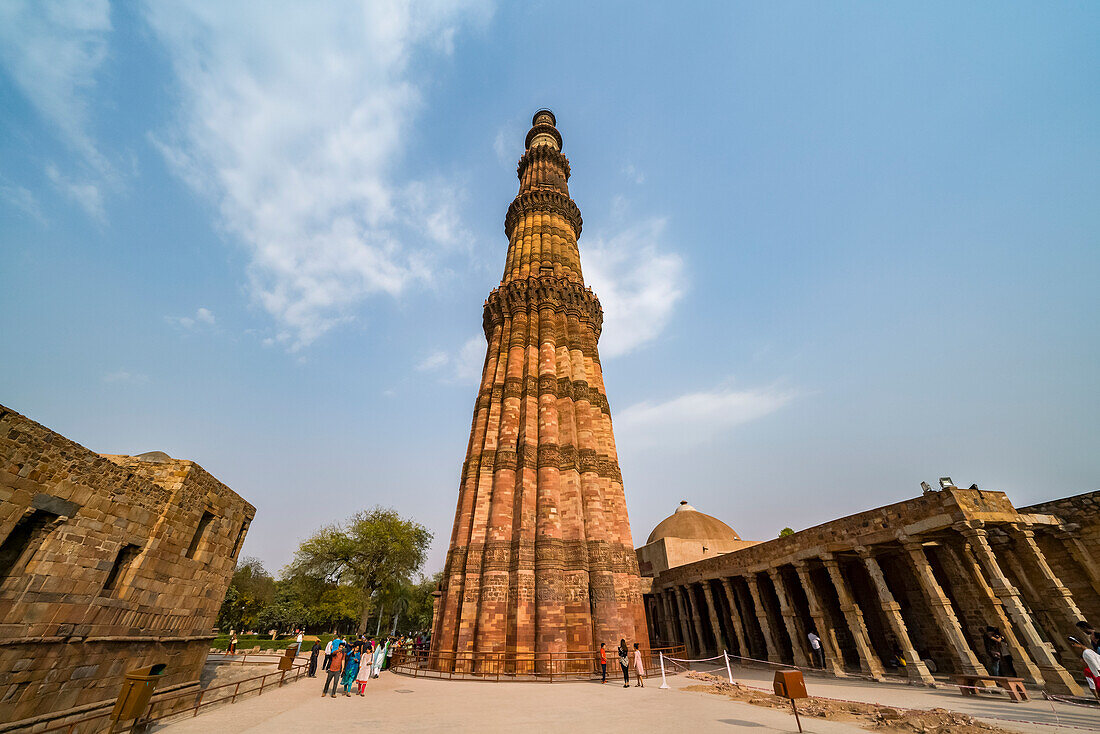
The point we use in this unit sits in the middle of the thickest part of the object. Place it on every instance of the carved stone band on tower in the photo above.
(541, 562)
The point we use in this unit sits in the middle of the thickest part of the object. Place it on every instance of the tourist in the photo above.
(334, 668)
(1092, 636)
(299, 640)
(624, 663)
(377, 658)
(364, 673)
(232, 642)
(329, 647)
(313, 653)
(639, 667)
(815, 648)
(389, 654)
(351, 670)
(1091, 660)
(993, 642)
(603, 663)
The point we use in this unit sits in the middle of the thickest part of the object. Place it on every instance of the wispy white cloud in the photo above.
(85, 193)
(23, 200)
(638, 282)
(632, 173)
(52, 51)
(697, 416)
(462, 367)
(200, 317)
(470, 360)
(434, 361)
(126, 376)
(294, 130)
(503, 146)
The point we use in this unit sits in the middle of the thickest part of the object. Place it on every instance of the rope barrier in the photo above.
(693, 660)
(1063, 699)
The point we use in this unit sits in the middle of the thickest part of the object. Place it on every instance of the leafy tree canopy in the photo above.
(376, 552)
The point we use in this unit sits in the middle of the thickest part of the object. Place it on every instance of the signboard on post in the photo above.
(790, 684)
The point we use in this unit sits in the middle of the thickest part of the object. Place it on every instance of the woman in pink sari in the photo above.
(639, 667)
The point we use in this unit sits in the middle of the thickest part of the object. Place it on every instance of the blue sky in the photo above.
(842, 247)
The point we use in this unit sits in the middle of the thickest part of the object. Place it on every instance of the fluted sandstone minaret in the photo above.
(541, 558)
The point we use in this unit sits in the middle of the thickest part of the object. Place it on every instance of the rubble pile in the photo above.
(870, 716)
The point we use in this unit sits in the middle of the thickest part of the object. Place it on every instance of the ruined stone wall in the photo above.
(102, 568)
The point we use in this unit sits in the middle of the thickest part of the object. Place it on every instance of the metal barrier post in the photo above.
(664, 682)
(728, 671)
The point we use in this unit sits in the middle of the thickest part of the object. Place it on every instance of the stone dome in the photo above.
(688, 523)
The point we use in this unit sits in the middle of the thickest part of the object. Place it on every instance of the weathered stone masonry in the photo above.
(919, 579)
(107, 563)
(541, 560)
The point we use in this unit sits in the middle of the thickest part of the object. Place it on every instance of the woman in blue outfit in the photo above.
(351, 670)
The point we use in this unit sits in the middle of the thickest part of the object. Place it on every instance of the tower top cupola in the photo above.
(543, 132)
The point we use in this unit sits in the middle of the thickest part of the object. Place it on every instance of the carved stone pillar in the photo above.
(762, 616)
(1080, 553)
(790, 620)
(1056, 676)
(669, 617)
(1061, 599)
(1037, 601)
(914, 665)
(685, 622)
(833, 660)
(697, 621)
(735, 620)
(965, 659)
(712, 608)
(968, 568)
(868, 660)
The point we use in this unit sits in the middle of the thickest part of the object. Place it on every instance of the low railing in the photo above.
(513, 666)
(176, 704)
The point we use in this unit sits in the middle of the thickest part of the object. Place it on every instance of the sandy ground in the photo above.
(396, 703)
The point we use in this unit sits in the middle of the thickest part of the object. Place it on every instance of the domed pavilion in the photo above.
(686, 536)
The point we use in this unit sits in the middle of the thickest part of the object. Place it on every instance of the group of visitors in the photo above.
(352, 662)
(625, 663)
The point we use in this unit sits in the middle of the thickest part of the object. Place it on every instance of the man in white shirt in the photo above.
(299, 639)
(815, 649)
(1092, 664)
(328, 653)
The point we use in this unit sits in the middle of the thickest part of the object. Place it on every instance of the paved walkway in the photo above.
(399, 703)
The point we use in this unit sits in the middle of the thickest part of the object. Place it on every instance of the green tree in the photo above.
(285, 612)
(376, 551)
(250, 590)
(785, 532)
(422, 603)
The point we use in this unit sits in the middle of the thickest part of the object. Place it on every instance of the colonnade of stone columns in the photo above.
(953, 582)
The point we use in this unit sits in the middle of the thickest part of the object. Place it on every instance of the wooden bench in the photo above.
(969, 685)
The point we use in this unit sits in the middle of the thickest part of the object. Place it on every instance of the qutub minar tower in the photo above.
(541, 559)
